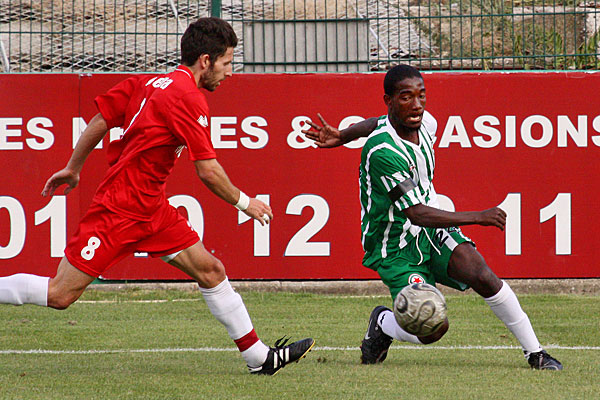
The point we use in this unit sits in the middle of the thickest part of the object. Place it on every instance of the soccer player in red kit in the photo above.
(159, 114)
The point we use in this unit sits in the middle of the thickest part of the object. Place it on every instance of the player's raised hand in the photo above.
(493, 217)
(259, 211)
(62, 177)
(324, 136)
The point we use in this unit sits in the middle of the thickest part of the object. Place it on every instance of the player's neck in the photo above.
(196, 72)
(408, 134)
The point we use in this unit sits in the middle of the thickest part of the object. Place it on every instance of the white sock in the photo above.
(256, 355)
(390, 327)
(228, 308)
(507, 308)
(22, 289)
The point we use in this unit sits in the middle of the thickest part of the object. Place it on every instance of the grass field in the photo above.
(166, 345)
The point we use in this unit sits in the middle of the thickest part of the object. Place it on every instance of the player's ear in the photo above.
(386, 99)
(204, 61)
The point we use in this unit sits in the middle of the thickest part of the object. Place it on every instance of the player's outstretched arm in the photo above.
(423, 215)
(212, 174)
(91, 136)
(326, 136)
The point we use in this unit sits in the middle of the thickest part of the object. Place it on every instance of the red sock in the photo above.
(246, 341)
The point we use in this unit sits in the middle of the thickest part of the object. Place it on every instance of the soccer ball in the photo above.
(420, 309)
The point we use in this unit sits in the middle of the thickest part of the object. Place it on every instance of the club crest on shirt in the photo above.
(203, 121)
(415, 278)
(412, 170)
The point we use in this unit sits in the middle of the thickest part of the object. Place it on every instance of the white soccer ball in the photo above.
(420, 309)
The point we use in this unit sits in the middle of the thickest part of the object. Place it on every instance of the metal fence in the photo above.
(304, 35)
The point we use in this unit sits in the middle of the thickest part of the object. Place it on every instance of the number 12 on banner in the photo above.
(299, 244)
(262, 233)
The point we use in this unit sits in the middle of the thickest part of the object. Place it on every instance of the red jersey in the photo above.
(160, 114)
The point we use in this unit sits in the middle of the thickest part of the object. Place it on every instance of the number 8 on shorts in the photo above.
(87, 253)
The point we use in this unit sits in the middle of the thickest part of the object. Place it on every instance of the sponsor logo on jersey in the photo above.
(415, 278)
(203, 121)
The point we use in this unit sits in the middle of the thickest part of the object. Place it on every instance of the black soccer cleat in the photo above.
(281, 355)
(375, 345)
(543, 360)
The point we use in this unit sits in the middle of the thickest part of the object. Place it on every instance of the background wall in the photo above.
(528, 141)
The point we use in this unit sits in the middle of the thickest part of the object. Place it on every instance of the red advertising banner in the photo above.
(526, 141)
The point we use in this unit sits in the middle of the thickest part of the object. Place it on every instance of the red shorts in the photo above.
(103, 237)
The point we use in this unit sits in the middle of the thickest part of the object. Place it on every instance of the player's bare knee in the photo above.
(212, 273)
(60, 301)
(216, 268)
(484, 281)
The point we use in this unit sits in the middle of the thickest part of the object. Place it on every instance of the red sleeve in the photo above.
(113, 104)
(189, 121)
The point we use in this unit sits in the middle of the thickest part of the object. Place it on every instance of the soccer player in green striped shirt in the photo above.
(406, 237)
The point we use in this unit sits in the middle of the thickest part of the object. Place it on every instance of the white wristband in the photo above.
(243, 202)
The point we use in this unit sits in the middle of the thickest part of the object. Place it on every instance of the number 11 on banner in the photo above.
(559, 208)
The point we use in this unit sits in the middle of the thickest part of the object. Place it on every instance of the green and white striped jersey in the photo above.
(386, 161)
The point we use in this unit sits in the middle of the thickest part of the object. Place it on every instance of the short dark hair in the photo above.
(397, 74)
(210, 35)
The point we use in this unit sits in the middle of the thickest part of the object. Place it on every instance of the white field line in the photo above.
(324, 348)
(134, 301)
(357, 296)
(200, 299)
